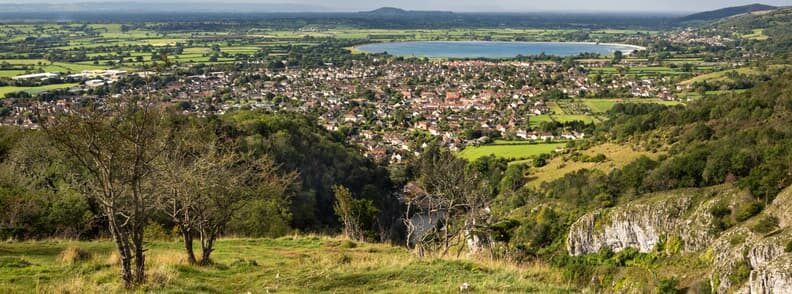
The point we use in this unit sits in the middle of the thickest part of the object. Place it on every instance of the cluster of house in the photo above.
(388, 102)
(697, 36)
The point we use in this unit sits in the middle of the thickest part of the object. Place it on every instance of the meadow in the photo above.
(304, 264)
(616, 155)
(512, 150)
(34, 90)
(603, 105)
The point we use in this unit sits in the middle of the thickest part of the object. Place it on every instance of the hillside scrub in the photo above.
(743, 138)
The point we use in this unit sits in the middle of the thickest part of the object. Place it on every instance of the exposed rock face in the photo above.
(639, 226)
(740, 249)
(642, 224)
(776, 277)
(743, 260)
(766, 251)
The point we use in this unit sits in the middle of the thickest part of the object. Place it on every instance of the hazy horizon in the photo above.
(449, 5)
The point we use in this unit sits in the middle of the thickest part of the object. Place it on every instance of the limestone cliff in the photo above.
(746, 258)
(749, 261)
(775, 277)
(642, 224)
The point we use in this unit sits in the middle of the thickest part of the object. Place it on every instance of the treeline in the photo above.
(733, 138)
(39, 199)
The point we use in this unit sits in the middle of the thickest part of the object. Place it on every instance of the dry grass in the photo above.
(294, 264)
(73, 254)
(160, 276)
(618, 156)
(75, 285)
(113, 259)
(167, 257)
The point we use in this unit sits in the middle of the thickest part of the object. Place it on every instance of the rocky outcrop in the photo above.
(775, 277)
(637, 225)
(746, 261)
(683, 214)
(767, 250)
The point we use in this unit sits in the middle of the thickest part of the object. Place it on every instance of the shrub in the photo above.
(155, 231)
(241, 262)
(673, 245)
(720, 210)
(668, 286)
(766, 225)
(343, 259)
(748, 210)
(72, 255)
(740, 273)
(720, 213)
(788, 247)
(347, 244)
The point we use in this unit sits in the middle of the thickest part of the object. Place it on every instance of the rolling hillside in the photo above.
(725, 12)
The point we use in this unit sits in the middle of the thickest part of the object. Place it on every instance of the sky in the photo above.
(482, 6)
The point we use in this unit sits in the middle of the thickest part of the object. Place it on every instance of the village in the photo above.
(385, 106)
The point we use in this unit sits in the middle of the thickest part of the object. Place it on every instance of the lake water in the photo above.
(482, 49)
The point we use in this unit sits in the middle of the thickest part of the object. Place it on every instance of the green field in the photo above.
(603, 105)
(639, 71)
(288, 265)
(513, 150)
(757, 34)
(33, 90)
(116, 48)
(719, 76)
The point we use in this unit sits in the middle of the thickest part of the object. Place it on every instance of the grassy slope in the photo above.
(290, 264)
(618, 156)
(718, 76)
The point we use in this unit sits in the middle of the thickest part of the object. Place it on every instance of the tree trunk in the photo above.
(140, 266)
(188, 245)
(122, 246)
(206, 249)
(140, 258)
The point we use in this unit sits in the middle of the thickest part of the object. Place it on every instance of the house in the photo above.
(522, 134)
(452, 96)
(95, 83)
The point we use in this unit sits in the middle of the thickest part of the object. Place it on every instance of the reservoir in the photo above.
(487, 49)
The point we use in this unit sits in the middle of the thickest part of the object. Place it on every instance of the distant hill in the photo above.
(388, 10)
(393, 11)
(725, 12)
(149, 6)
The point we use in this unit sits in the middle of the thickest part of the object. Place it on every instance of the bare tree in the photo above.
(113, 146)
(455, 204)
(228, 180)
(177, 179)
(207, 181)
